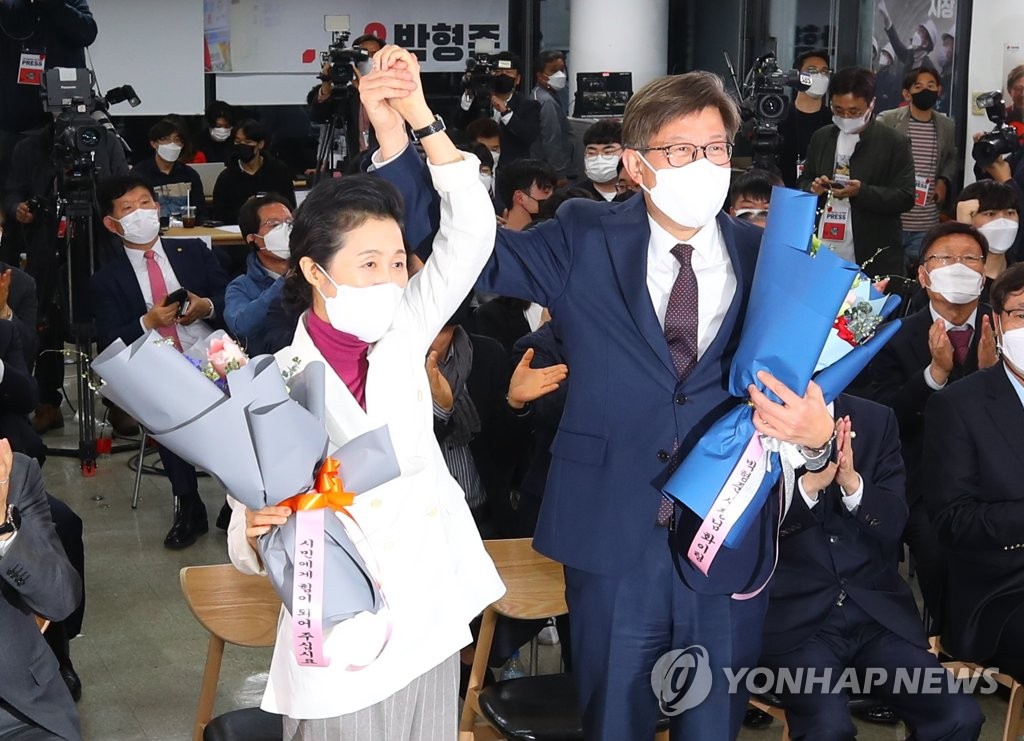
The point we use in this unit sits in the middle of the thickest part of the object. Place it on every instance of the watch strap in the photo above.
(435, 127)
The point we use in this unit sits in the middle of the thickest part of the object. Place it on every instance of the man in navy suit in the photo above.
(974, 455)
(648, 297)
(129, 298)
(837, 600)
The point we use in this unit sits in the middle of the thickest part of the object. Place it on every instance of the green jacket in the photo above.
(947, 165)
(884, 165)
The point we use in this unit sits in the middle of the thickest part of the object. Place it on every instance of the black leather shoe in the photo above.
(183, 532)
(756, 719)
(71, 679)
(878, 714)
(224, 518)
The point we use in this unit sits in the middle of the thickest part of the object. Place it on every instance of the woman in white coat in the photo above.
(372, 327)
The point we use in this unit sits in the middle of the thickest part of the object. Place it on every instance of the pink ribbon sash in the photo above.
(731, 502)
(308, 588)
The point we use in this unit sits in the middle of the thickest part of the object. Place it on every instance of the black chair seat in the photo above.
(247, 724)
(542, 708)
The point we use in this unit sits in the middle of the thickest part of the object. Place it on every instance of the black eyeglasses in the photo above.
(679, 155)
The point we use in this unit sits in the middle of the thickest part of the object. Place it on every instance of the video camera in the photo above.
(343, 63)
(80, 120)
(1003, 139)
(763, 101)
(481, 66)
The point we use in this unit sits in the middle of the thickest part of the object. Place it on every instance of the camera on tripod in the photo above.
(1003, 139)
(763, 101)
(343, 63)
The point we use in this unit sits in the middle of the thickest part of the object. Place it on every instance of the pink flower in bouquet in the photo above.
(225, 355)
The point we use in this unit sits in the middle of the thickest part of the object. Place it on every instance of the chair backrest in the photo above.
(534, 584)
(235, 607)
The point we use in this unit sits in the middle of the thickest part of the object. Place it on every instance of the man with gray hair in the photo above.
(648, 298)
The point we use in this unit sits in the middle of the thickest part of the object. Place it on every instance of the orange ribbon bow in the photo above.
(329, 492)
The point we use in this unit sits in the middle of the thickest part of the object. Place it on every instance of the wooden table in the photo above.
(219, 237)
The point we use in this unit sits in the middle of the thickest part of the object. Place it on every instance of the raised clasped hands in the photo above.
(392, 93)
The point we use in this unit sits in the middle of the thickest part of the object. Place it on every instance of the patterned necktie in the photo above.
(681, 314)
(681, 335)
(159, 289)
(960, 338)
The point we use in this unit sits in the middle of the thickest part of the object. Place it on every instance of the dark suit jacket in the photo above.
(35, 579)
(19, 394)
(974, 456)
(117, 301)
(22, 300)
(626, 408)
(897, 380)
(883, 162)
(501, 320)
(828, 548)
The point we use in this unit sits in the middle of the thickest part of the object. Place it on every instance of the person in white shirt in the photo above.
(372, 326)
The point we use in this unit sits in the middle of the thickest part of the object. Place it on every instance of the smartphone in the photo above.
(179, 297)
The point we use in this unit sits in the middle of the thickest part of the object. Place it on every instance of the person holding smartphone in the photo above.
(174, 287)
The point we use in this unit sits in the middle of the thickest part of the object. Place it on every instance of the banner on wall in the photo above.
(908, 35)
(265, 36)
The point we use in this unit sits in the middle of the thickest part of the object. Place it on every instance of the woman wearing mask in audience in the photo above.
(807, 114)
(249, 171)
(176, 184)
(215, 142)
(372, 327)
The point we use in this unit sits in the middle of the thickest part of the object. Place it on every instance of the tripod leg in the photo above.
(86, 408)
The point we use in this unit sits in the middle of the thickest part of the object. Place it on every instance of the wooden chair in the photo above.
(1013, 725)
(235, 608)
(535, 589)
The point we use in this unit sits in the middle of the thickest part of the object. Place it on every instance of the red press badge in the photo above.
(30, 69)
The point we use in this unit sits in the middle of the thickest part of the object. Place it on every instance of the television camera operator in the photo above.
(336, 97)
(35, 35)
(491, 89)
(55, 167)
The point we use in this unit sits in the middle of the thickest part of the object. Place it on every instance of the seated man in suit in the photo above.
(128, 300)
(265, 223)
(837, 600)
(974, 455)
(936, 346)
(37, 580)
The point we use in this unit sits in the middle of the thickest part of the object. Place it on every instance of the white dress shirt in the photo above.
(189, 335)
(716, 278)
(971, 324)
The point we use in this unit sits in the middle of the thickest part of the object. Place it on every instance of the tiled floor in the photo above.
(141, 653)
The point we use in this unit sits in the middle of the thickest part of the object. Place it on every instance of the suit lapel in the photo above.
(124, 275)
(627, 234)
(1005, 408)
(345, 419)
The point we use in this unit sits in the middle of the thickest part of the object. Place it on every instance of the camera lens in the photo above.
(771, 106)
(88, 138)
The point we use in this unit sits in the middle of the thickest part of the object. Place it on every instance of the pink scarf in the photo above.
(345, 354)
